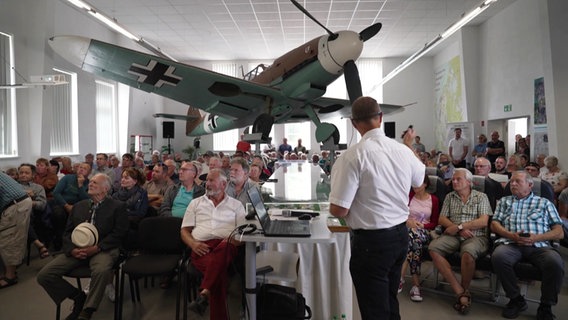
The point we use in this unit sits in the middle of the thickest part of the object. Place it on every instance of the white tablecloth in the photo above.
(323, 276)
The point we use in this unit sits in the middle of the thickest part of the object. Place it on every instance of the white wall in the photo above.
(414, 84)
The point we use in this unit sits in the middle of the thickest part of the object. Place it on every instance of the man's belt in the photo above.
(13, 202)
(368, 231)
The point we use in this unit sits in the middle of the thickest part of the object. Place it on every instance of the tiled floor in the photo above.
(27, 300)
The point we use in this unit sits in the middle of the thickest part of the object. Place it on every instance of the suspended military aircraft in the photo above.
(289, 90)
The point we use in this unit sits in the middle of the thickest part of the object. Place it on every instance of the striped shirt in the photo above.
(10, 190)
(531, 214)
(458, 212)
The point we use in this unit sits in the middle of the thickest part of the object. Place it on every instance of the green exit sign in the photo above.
(508, 108)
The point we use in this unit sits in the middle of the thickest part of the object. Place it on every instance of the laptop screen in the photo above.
(258, 205)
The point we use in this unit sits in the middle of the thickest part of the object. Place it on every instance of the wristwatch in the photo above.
(460, 227)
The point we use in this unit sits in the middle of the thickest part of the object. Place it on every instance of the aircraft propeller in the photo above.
(332, 35)
(352, 80)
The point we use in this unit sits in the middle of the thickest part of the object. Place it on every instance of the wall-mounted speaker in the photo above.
(168, 129)
(390, 129)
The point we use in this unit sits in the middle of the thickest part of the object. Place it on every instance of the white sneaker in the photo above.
(86, 288)
(110, 292)
(400, 285)
(415, 294)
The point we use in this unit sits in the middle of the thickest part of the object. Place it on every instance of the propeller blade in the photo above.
(332, 35)
(370, 31)
(352, 80)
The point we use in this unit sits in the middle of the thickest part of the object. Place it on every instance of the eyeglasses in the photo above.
(480, 165)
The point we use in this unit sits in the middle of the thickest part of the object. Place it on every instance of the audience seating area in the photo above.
(525, 271)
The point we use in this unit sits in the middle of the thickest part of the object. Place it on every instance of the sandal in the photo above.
(460, 306)
(43, 252)
(9, 282)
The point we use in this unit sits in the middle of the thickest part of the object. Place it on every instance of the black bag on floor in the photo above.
(275, 302)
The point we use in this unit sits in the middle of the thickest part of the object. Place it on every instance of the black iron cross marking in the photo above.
(155, 73)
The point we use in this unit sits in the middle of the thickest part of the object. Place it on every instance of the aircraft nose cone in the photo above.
(72, 48)
(347, 46)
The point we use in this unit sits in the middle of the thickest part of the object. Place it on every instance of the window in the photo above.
(226, 140)
(8, 127)
(295, 131)
(64, 117)
(106, 117)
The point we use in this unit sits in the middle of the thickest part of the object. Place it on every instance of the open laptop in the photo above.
(277, 228)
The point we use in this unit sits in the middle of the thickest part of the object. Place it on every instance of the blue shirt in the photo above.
(181, 202)
(531, 214)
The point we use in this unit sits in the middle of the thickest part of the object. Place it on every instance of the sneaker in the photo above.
(400, 285)
(199, 305)
(110, 292)
(415, 294)
(514, 307)
(544, 312)
(79, 302)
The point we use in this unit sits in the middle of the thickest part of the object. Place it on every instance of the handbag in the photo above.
(276, 302)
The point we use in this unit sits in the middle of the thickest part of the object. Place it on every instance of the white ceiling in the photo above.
(265, 29)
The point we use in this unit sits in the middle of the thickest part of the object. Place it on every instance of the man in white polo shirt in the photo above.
(458, 149)
(370, 184)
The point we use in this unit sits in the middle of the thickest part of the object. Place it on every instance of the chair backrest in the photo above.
(160, 235)
(433, 171)
(438, 188)
(490, 187)
(541, 188)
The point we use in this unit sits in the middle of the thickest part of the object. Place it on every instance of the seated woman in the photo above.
(133, 194)
(424, 211)
(480, 149)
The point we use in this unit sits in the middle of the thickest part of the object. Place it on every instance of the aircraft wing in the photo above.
(332, 107)
(212, 92)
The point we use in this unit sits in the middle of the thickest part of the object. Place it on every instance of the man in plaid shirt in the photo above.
(465, 214)
(526, 224)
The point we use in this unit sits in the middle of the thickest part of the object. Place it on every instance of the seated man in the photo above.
(110, 219)
(158, 185)
(526, 224)
(239, 181)
(178, 196)
(464, 216)
(207, 223)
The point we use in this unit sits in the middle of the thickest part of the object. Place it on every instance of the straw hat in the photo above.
(85, 235)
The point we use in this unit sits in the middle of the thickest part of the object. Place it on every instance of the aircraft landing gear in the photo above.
(263, 124)
(327, 132)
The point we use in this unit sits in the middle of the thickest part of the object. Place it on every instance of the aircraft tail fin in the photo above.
(194, 119)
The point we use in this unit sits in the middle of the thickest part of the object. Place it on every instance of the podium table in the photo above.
(323, 275)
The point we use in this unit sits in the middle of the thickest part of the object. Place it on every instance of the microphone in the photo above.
(295, 213)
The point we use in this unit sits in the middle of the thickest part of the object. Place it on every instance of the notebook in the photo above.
(277, 228)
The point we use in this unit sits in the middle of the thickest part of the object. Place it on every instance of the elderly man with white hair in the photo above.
(526, 224)
(109, 218)
(464, 216)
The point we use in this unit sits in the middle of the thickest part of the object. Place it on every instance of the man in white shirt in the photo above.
(370, 184)
(458, 149)
(206, 226)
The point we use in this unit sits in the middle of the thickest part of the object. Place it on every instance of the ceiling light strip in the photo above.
(114, 25)
(467, 17)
